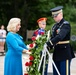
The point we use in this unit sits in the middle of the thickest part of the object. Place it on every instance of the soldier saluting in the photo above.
(60, 41)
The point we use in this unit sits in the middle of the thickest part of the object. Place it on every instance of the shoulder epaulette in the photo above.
(65, 22)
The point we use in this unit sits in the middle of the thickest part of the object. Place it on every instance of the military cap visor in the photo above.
(56, 10)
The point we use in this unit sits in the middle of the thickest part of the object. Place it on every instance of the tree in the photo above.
(31, 10)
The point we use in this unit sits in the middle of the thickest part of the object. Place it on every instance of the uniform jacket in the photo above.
(61, 32)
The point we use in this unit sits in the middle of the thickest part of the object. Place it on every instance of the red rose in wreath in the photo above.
(42, 33)
(25, 74)
(31, 58)
(33, 38)
(28, 63)
(31, 45)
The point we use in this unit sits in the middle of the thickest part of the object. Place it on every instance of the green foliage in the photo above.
(73, 43)
(70, 13)
(27, 42)
(73, 32)
(31, 10)
(73, 28)
(40, 41)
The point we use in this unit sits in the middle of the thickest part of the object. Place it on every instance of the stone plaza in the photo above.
(73, 66)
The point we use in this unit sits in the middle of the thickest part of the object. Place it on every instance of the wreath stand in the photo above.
(43, 57)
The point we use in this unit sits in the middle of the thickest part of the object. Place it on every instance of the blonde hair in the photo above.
(13, 22)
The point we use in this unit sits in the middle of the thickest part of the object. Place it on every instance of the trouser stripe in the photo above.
(67, 66)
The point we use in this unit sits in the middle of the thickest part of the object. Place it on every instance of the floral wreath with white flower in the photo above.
(34, 58)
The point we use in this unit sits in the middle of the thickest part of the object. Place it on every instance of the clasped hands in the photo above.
(48, 45)
(28, 52)
(30, 47)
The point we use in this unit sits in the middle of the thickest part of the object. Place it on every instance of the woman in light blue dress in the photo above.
(16, 46)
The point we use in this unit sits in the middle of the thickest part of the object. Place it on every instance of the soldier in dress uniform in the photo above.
(41, 30)
(60, 41)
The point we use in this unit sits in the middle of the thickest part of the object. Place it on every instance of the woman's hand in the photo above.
(26, 51)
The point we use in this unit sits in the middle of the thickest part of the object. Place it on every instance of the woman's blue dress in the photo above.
(13, 57)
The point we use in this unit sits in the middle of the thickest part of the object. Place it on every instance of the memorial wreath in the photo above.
(34, 58)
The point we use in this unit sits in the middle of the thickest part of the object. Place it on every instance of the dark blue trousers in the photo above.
(46, 69)
(63, 67)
